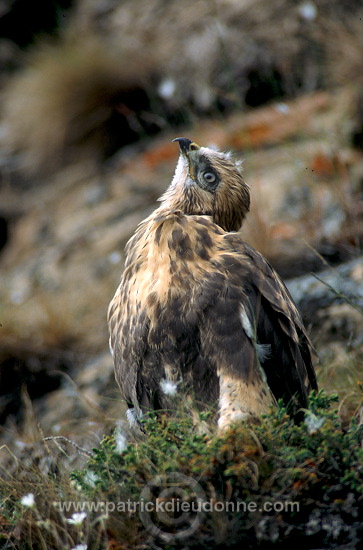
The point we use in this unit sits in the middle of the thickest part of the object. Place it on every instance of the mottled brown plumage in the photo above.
(197, 304)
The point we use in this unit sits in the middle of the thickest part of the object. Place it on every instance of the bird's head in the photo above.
(208, 182)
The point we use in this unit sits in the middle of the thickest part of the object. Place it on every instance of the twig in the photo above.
(318, 255)
(80, 449)
(339, 294)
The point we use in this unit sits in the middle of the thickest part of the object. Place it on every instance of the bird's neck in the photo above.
(188, 201)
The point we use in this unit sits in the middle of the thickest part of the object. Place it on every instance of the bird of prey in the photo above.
(199, 305)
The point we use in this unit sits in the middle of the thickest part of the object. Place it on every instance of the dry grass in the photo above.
(340, 372)
(57, 108)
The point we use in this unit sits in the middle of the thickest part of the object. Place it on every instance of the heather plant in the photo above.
(170, 483)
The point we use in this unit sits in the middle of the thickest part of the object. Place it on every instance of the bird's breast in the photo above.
(170, 259)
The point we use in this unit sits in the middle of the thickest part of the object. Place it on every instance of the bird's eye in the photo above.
(209, 177)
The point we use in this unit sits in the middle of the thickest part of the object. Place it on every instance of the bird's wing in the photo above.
(261, 323)
(127, 344)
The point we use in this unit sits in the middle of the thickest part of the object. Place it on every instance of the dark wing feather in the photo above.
(223, 339)
(289, 365)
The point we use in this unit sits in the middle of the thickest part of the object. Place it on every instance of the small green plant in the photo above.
(171, 485)
(274, 461)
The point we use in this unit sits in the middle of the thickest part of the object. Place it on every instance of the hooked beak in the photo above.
(186, 145)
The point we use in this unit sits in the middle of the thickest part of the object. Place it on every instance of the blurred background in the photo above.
(92, 93)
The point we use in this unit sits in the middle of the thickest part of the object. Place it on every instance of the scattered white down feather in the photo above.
(120, 439)
(313, 422)
(90, 478)
(28, 500)
(132, 417)
(263, 352)
(168, 387)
